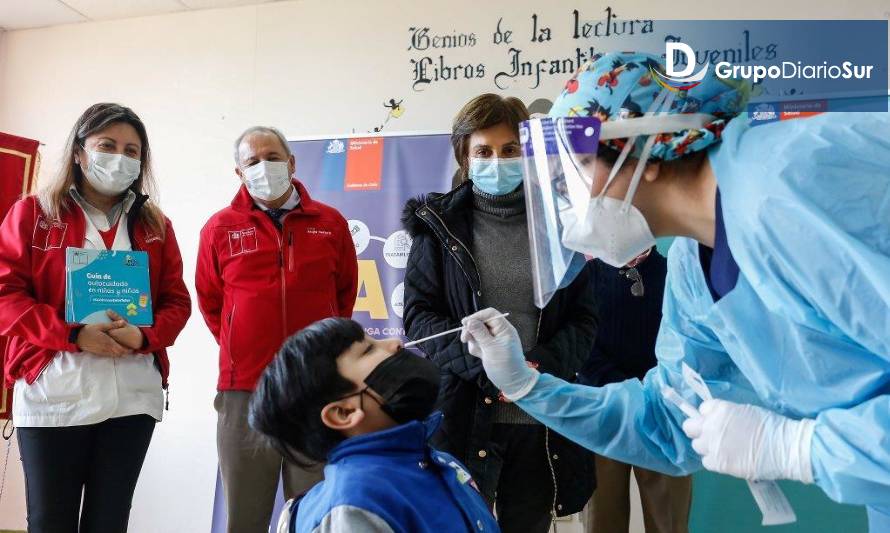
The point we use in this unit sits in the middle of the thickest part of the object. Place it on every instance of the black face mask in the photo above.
(408, 384)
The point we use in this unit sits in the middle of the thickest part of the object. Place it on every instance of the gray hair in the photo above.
(264, 130)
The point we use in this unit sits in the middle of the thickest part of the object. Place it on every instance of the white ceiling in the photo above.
(21, 14)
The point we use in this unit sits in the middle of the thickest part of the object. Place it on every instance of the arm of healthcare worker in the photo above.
(844, 451)
(426, 310)
(208, 283)
(851, 453)
(625, 421)
(21, 315)
(563, 354)
(816, 244)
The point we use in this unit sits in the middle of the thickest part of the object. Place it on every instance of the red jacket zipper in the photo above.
(283, 295)
(290, 252)
(229, 343)
(283, 282)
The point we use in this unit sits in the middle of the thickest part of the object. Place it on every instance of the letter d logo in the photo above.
(674, 80)
(670, 50)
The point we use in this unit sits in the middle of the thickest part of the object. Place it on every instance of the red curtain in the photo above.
(18, 172)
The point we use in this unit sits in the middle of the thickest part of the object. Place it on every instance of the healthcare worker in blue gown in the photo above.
(778, 288)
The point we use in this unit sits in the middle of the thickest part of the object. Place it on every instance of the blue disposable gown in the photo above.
(806, 330)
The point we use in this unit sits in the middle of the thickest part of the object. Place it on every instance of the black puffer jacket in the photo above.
(442, 286)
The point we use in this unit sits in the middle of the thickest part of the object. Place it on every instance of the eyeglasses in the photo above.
(633, 274)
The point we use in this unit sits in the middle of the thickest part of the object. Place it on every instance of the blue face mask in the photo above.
(496, 176)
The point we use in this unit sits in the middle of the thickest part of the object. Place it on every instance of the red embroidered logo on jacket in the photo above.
(242, 241)
(319, 231)
(48, 234)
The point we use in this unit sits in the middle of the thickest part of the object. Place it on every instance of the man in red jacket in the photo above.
(270, 264)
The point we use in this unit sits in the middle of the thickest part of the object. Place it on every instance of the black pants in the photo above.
(99, 461)
(524, 481)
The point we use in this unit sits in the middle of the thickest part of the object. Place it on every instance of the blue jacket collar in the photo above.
(410, 438)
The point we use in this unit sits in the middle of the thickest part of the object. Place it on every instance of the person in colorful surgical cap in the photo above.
(778, 290)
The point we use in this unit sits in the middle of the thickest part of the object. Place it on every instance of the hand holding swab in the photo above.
(450, 331)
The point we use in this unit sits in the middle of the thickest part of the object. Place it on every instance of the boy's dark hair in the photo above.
(301, 379)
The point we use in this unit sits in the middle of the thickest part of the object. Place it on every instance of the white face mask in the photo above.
(613, 230)
(608, 232)
(267, 180)
(111, 174)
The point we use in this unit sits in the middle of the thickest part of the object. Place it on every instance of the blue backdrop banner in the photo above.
(369, 179)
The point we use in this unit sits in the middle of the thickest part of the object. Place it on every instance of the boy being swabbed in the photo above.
(363, 405)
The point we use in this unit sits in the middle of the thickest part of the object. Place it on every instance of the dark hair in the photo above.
(484, 111)
(301, 379)
(97, 117)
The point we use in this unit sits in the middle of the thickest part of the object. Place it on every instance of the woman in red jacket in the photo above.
(87, 397)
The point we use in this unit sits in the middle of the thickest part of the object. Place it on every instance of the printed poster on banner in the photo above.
(369, 179)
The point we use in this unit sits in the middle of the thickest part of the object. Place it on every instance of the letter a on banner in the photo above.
(372, 301)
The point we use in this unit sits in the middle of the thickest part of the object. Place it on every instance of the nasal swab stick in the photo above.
(450, 331)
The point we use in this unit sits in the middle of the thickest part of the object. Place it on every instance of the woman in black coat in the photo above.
(471, 251)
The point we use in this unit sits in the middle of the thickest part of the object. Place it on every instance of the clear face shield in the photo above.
(570, 217)
(556, 156)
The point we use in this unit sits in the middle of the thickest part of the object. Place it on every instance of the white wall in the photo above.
(309, 67)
